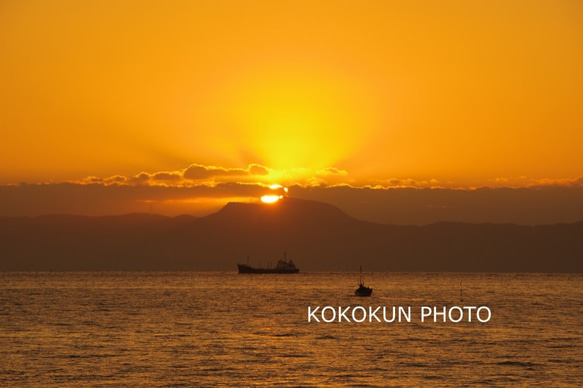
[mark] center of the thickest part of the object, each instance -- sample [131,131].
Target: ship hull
[243,268]
[363,291]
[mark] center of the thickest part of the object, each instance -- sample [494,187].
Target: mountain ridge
[318,236]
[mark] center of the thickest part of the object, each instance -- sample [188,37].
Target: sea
[223,329]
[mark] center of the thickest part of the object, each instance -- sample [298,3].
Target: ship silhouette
[283,266]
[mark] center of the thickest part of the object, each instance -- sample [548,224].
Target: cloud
[116,179]
[331,171]
[207,175]
[198,172]
[140,179]
[201,172]
[92,179]
[256,169]
[193,175]
[167,176]
[576,182]
[199,175]
[393,183]
[523,181]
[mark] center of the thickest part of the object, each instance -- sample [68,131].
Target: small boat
[362,290]
[283,266]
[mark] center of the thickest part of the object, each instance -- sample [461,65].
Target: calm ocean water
[224,329]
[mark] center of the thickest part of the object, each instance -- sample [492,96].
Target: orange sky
[443,93]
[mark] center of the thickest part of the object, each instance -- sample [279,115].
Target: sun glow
[291,115]
[271,198]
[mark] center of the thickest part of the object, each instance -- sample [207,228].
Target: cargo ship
[282,266]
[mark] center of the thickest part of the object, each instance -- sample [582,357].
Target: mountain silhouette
[317,236]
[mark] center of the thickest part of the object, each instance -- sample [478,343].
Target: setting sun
[270,198]
[279,193]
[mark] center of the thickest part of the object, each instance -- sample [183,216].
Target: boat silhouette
[362,290]
[283,266]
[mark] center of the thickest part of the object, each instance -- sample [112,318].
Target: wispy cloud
[165,176]
[255,174]
[200,172]
[524,181]
[577,182]
[396,183]
[208,175]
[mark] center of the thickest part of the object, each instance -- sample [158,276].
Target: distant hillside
[317,236]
